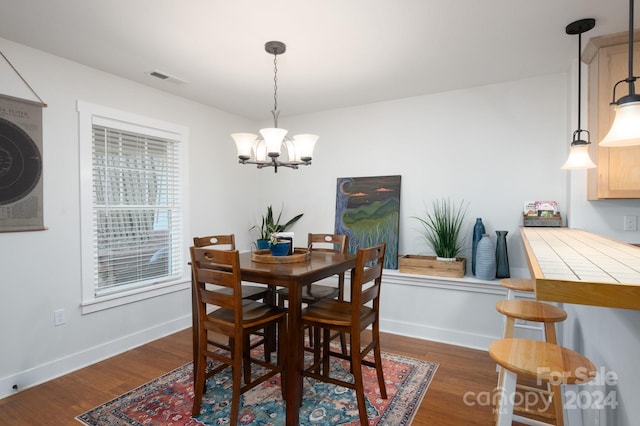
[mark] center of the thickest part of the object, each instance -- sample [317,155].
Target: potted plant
[442,226]
[271,225]
[278,246]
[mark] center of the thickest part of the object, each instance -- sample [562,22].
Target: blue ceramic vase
[478,231]
[486,259]
[502,257]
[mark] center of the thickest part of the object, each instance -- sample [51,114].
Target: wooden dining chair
[236,318]
[228,242]
[353,318]
[315,292]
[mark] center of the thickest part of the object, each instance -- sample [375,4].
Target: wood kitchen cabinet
[618,171]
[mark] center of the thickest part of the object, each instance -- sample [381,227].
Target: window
[133,207]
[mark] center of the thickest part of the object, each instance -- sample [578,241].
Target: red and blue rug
[167,400]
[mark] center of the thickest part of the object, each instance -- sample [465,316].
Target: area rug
[167,400]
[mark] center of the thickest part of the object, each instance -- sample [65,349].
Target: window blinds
[137,217]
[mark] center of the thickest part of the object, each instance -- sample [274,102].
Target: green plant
[442,225]
[270,224]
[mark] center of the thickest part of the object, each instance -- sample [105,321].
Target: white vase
[485,259]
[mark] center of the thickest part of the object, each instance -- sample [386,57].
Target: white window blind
[137,216]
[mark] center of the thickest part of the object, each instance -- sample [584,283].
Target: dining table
[294,276]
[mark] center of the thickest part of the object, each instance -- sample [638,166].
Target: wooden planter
[428,265]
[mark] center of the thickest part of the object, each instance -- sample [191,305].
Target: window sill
[135,295]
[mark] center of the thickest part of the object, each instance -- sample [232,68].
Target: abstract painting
[368,212]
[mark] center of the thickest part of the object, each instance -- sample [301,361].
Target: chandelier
[265,150]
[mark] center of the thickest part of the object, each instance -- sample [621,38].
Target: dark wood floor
[58,401]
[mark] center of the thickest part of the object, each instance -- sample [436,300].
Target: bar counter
[575,266]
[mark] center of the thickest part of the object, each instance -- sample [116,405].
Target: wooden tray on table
[265,256]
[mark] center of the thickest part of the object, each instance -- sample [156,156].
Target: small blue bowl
[280,249]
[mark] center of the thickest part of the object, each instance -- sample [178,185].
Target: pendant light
[625,130]
[579,153]
[267,147]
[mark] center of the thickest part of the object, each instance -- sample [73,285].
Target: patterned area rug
[167,400]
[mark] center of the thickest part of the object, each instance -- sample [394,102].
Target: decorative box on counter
[555,220]
[541,213]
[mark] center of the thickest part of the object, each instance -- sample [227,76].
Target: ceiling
[339,52]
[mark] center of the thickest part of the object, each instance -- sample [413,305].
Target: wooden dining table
[295,276]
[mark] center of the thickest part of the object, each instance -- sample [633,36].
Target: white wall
[41,270]
[493,146]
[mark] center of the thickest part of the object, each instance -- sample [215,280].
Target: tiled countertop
[575,266]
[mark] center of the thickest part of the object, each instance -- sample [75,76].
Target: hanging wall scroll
[20,165]
[20,161]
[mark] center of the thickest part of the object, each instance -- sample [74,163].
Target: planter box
[428,265]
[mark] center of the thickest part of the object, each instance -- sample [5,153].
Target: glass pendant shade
[244,143]
[273,137]
[304,145]
[625,130]
[579,158]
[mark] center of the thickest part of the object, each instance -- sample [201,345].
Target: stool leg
[557,404]
[507,391]
[509,324]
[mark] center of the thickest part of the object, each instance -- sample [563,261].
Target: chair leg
[246,357]
[235,396]
[356,362]
[199,382]
[282,345]
[377,353]
[326,343]
[343,343]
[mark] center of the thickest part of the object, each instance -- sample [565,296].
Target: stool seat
[546,363]
[542,360]
[519,284]
[531,310]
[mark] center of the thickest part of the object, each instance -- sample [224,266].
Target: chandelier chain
[275,82]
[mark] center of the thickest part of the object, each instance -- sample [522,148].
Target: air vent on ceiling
[166,77]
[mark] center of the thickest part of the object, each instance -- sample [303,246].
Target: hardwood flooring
[57,402]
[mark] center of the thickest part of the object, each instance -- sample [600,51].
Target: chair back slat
[366,277]
[328,242]
[220,268]
[216,240]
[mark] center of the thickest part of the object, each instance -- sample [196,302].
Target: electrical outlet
[631,223]
[58,317]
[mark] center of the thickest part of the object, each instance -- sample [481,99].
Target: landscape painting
[368,212]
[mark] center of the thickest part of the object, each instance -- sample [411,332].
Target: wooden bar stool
[534,311]
[545,314]
[522,285]
[542,361]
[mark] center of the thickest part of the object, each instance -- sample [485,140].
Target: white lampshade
[625,130]
[579,158]
[244,143]
[304,145]
[273,137]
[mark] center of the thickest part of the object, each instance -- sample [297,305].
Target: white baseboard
[59,367]
[452,337]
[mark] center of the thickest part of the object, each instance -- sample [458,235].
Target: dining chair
[315,292]
[235,318]
[352,317]
[228,242]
